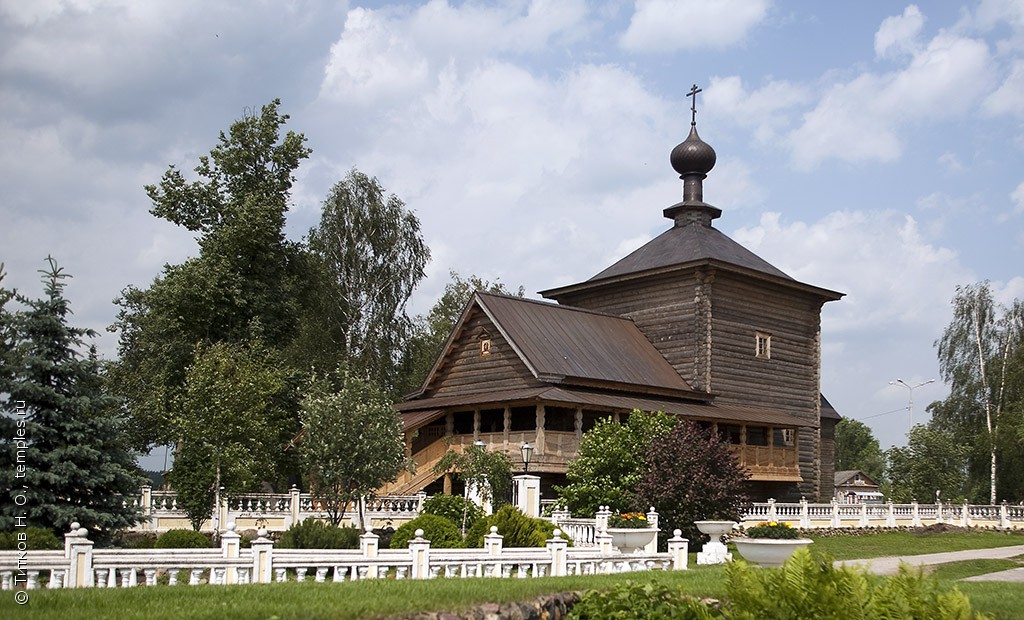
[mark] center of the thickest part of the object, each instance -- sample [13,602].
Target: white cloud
[767,109]
[1009,97]
[899,35]
[861,119]
[1017,196]
[889,271]
[671,25]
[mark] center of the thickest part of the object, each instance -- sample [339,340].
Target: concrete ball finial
[75,525]
[262,532]
[419,533]
[677,533]
[494,529]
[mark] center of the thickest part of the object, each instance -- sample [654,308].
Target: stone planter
[714,552]
[632,540]
[769,552]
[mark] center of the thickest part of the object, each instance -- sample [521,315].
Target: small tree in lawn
[490,472]
[229,425]
[611,462]
[351,442]
[690,475]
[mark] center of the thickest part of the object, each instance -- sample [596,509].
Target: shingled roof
[566,345]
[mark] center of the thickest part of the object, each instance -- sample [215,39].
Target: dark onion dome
[693,155]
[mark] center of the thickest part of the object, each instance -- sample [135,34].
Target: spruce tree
[63,458]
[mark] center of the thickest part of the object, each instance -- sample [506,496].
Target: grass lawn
[366,599]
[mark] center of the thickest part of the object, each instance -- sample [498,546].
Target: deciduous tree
[976,356]
[857,448]
[933,460]
[351,441]
[611,462]
[373,254]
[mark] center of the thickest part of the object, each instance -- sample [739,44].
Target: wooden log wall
[464,370]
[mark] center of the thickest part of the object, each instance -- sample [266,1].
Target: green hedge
[35,539]
[441,533]
[316,534]
[516,529]
[183,539]
[451,507]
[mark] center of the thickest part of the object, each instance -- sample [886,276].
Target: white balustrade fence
[81,565]
[836,515]
[274,511]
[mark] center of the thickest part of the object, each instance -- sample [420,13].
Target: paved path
[890,565]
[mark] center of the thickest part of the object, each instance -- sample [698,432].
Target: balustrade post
[527,494]
[146,506]
[652,521]
[419,550]
[915,514]
[493,542]
[772,513]
[890,516]
[230,543]
[805,513]
[601,518]
[678,548]
[559,515]
[863,515]
[420,498]
[262,558]
[836,521]
[369,544]
[78,551]
[938,511]
[1004,516]
[965,517]
[557,548]
[294,506]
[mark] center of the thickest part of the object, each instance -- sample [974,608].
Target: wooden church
[692,324]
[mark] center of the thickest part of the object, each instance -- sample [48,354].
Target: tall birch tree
[976,352]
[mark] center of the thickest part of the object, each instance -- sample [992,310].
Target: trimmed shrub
[441,533]
[183,539]
[133,540]
[641,601]
[35,539]
[451,507]
[316,534]
[516,529]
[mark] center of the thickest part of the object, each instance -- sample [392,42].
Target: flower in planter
[773,529]
[631,520]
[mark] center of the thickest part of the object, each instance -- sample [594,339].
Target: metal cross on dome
[693,107]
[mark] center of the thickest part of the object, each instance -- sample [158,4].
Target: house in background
[692,323]
[856,487]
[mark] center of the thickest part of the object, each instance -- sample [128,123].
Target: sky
[873,148]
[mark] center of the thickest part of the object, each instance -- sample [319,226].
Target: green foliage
[430,331]
[516,529]
[442,533]
[316,534]
[611,462]
[372,254]
[456,508]
[247,283]
[857,448]
[233,394]
[490,472]
[691,474]
[640,601]
[31,538]
[182,539]
[932,460]
[62,454]
[773,529]
[812,587]
[981,358]
[351,442]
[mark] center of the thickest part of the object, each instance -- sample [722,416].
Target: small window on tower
[763,345]
[485,343]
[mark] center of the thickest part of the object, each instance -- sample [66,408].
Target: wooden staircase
[409,483]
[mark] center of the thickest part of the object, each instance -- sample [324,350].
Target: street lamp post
[527,451]
[910,403]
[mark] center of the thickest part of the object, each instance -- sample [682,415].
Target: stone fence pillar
[557,548]
[805,513]
[262,558]
[419,549]
[146,506]
[230,543]
[678,548]
[526,489]
[1004,516]
[915,514]
[369,544]
[78,551]
[493,542]
[652,521]
[294,506]
[836,521]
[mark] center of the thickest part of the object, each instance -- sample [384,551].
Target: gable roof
[684,246]
[846,478]
[566,345]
